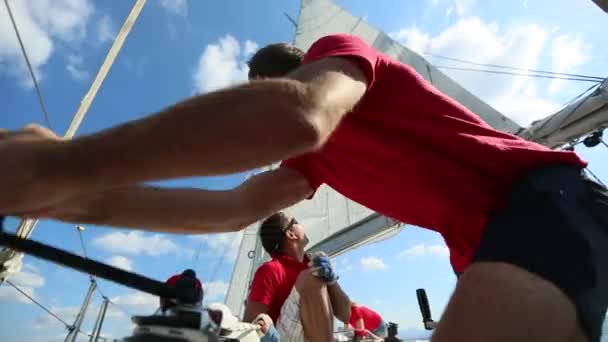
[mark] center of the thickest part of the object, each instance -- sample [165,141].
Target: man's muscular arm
[230,130]
[191,211]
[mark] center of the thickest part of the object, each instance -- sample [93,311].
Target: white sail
[319,18]
[578,118]
[241,273]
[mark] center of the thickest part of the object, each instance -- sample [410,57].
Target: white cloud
[464,6]
[137,302]
[222,64]
[250,48]
[214,290]
[373,264]
[68,314]
[136,243]
[343,266]
[179,7]
[424,250]
[223,245]
[448,11]
[40,23]
[521,98]
[567,54]
[106,31]
[75,68]
[121,262]
[28,280]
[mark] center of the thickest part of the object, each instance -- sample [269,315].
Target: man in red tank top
[364,320]
[520,220]
[301,303]
[186,281]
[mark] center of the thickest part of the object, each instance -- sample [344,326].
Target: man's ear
[290,235]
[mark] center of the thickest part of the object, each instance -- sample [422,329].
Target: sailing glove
[272,335]
[320,265]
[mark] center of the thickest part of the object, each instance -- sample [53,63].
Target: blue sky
[178,48]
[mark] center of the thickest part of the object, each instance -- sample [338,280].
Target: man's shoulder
[340,38]
[271,266]
[339,44]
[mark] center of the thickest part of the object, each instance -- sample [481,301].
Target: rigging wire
[198,253]
[582,79]
[221,260]
[29,66]
[597,179]
[596,78]
[80,229]
[84,250]
[68,326]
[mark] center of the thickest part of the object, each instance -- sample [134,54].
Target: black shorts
[555,224]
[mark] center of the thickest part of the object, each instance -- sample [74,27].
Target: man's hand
[26,181]
[320,265]
[264,321]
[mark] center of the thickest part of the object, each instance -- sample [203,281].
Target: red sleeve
[305,164]
[356,311]
[345,45]
[263,285]
[172,280]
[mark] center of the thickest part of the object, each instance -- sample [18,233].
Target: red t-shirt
[371,319]
[410,152]
[273,282]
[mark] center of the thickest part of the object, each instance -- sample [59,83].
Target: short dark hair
[189,273]
[272,232]
[275,60]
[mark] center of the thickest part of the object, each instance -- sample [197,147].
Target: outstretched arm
[340,302]
[191,211]
[230,130]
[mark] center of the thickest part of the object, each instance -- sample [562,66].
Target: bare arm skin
[225,131]
[340,302]
[253,309]
[189,211]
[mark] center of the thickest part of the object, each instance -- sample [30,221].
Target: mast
[75,328]
[26,227]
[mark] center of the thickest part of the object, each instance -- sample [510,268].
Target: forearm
[227,131]
[190,211]
[340,302]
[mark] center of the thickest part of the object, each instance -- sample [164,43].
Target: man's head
[281,233]
[274,60]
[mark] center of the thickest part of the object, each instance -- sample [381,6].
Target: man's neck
[297,254]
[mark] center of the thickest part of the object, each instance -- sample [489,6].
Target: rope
[40,305]
[597,179]
[595,78]
[84,250]
[220,260]
[67,326]
[582,79]
[29,66]
[198,253]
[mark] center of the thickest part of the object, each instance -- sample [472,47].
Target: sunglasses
[291,223]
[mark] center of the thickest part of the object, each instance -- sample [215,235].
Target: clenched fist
[28,160]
